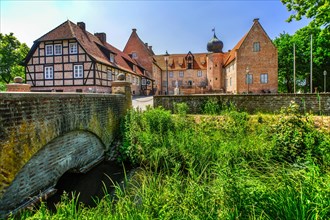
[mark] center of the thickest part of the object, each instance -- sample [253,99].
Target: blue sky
[176,26]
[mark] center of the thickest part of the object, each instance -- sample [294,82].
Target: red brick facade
[254,56]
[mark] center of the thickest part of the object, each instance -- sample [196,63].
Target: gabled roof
[91,44]
[135,40]
[176,59]
[232,54]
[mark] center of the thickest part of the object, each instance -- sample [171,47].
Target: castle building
[142,54]
[250,67]
[70,59]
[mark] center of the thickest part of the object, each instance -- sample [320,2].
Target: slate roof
[91,44]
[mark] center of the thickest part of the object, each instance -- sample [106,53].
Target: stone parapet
[252,103]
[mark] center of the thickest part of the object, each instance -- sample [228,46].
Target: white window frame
[264,78]
[144,81]
[49,72]
[181,74]
[56,47]
[73,48]
[199,73]
[171,74]
[78,71]
[47,51]
[128,79]
[137,81]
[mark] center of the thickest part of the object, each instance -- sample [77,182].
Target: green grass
[232,166]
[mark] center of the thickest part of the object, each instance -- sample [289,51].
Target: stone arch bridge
[44,135]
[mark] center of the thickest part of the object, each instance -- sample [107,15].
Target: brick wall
[266,103]
[44,135]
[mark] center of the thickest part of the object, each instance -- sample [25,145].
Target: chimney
[101,36]
[255,20]
[82,25]
[150,47]
[229,50]
[146,44]
[134,29]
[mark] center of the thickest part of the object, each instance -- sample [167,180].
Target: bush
[296,139]
[181,108]
[211,107]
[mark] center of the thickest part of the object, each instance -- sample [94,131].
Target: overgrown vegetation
[228,166]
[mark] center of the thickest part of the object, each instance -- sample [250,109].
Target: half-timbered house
[70,59]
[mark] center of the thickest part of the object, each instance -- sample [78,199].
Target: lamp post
[325,81]
[166,56]
[247,70]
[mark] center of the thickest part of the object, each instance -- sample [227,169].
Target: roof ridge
[73,34]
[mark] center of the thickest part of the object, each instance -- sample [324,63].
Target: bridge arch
[74,151]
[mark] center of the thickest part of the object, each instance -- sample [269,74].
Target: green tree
[284,44]
[321,58]
[12,53]
[317,10]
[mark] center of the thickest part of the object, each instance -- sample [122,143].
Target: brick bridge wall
[44,135]
[265,103]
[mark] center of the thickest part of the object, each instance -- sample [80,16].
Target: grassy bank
[230,167]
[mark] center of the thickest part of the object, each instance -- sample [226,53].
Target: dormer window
[73,48]
[190,60]
[112,58]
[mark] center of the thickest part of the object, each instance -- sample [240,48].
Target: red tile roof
[89,42]
[175,59]
[232,54]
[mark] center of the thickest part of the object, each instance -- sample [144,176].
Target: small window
[137,81]
[249,79]
[110,75]
[264,78]
[144,81]
[256,47]
[171,74]
[199,73]
[78,71]
[49,72]
[134,68]
[190,62]
[181,74]
[134,55]
[73,48]
[112,58]
[128,78]
[49,50]
[230,81]
[58,49]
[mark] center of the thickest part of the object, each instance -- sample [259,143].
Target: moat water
[90,186]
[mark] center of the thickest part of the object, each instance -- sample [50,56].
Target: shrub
[296,139]
[211,107]
[181,108]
